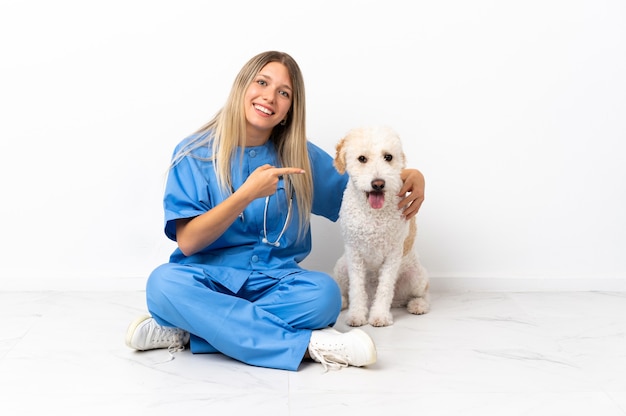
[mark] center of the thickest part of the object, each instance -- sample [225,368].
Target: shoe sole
[132,328]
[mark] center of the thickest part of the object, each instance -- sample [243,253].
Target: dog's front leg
[357,293]
[380,312]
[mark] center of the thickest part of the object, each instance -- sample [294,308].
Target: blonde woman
[238,199]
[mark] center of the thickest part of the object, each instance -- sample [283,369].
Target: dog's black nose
[378,184]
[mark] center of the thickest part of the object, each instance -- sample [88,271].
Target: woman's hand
[264,180]
[412,191]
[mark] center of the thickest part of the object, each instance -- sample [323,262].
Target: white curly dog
[379,261]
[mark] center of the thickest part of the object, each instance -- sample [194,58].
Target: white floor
[504,354]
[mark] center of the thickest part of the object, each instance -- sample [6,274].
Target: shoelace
[171,350]
[328,359]
[172,335]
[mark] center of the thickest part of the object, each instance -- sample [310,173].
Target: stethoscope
[280,235]
[265,240]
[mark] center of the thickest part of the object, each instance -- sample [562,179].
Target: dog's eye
[362,159]
[388,157]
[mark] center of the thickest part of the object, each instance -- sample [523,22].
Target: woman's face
[267,102]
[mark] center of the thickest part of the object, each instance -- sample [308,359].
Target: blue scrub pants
[267,323]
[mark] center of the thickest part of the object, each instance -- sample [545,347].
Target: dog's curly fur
[379,262]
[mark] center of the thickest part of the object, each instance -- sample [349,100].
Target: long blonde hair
[227,130]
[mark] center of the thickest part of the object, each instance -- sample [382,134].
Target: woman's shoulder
[196,144]
[316,152]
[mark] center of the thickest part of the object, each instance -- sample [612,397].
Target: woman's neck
[256,137]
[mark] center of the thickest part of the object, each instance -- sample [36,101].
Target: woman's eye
[261,82]
[362,159]
[388,157]
[284,94]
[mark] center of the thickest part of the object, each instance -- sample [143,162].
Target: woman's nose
[269,96]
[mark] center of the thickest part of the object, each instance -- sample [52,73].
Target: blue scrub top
[192,189]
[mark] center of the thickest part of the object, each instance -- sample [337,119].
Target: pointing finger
[288,171]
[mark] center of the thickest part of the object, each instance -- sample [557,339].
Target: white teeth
[263,109]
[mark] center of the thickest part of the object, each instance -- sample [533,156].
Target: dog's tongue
[376,199]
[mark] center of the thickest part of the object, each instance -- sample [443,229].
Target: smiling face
[267,102]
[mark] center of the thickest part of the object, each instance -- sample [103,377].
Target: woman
[238,200]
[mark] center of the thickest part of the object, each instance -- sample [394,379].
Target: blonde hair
[227,130]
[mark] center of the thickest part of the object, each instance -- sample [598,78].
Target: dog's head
[373,158]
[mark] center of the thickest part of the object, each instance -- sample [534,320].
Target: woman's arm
[193,234]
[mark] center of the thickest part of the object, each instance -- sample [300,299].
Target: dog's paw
[384,319]
[356,320]
[418,306]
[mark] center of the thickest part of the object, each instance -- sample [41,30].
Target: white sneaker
[145,334]
[335,350]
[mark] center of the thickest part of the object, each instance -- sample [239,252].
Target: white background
[515,111]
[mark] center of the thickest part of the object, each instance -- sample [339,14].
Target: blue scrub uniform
[240,296]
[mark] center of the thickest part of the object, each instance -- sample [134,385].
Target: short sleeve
[187,192]
[328,184]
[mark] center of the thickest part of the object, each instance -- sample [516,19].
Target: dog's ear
[340,157]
